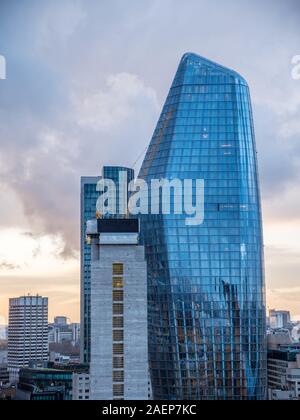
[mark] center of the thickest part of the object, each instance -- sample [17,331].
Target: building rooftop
[204,64]
[114,231]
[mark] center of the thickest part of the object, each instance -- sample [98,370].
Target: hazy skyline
[86,81]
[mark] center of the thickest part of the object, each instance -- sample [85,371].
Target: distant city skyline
[82,90]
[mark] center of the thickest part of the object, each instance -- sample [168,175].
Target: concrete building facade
[119,336]
[81,386]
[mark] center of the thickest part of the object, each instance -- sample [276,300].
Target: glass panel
[118,295]
[118,309]
[117,269]
[118,335]
[118,283]
[118,362]
[118,322]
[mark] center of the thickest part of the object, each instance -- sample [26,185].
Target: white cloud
[23,254]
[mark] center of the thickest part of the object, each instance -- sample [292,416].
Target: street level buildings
[283,366]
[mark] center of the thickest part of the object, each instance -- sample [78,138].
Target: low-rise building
[279,319]
[51,382]
[7,392]
[283,366]
[4,375]
[63,332]
[277,394]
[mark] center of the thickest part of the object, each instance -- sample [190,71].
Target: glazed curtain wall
[206,283]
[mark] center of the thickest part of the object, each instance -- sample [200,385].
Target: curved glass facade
[206,283]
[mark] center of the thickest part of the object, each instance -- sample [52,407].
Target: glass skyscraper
[89,197]
[206,283]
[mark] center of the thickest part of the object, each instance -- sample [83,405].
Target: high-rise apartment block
[27,332]
[119,338]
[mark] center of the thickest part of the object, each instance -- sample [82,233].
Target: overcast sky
[86,81]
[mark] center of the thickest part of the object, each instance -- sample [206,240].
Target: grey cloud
[61,118]
[279,157]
